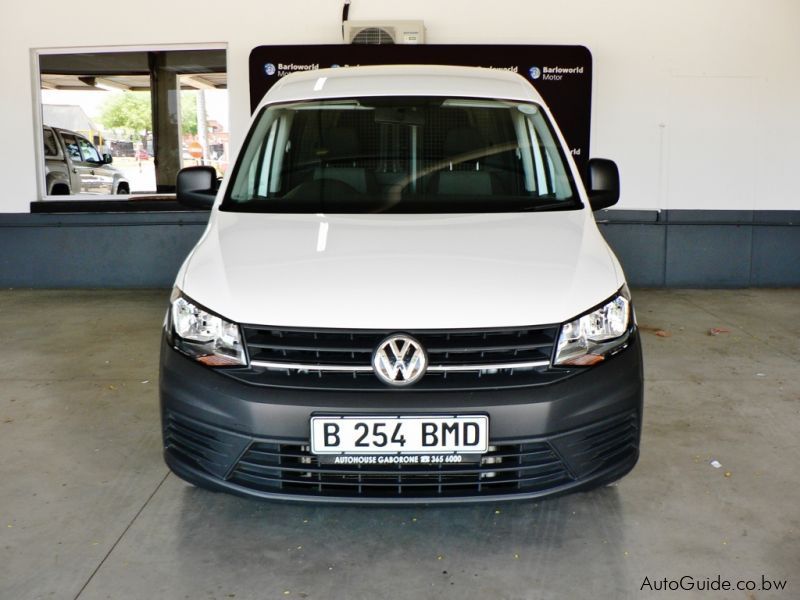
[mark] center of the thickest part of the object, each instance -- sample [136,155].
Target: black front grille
[341,348]
[331,347]
[506,469]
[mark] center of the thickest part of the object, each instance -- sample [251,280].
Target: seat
[464,147]
[464,183]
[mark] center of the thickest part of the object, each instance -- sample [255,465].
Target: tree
[132,112]
[129,110]
[189,112]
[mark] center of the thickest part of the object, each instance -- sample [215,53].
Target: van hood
[401,272]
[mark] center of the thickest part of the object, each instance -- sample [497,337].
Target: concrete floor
[88,509]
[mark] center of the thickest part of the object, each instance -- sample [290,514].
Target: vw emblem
[399,360]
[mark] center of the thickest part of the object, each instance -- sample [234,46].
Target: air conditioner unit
[384,32]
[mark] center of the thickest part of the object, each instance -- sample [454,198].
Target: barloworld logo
[535,72]
[269,69]
[556,73]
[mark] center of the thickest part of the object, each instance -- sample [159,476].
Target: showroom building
[695,106]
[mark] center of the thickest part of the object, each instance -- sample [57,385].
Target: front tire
[60,189]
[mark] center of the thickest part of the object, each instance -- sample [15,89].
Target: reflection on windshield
[402,155]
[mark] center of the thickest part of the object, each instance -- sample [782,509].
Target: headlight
[204,336]
[589,339]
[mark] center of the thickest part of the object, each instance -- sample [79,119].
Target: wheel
[60,189]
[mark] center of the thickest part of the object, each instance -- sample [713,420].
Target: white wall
[697,100]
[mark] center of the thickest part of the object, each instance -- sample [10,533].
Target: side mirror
[196,187]
[107,159]
[603,188]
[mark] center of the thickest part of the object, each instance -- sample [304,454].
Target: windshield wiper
[558,205]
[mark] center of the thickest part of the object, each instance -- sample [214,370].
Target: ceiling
[196,69]
[128,82]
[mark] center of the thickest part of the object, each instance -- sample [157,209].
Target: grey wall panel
[776,256]
[640,249]
[708,256]
[709,217]
[779,217]
[656,248]
[610,215]
[116,255]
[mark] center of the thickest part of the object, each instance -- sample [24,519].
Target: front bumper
[252,440]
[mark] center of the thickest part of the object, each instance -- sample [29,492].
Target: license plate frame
[453,437]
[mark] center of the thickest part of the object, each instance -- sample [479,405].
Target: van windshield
[401,155]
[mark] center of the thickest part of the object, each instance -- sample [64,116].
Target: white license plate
[400,435]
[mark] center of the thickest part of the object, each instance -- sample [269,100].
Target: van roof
[402,80]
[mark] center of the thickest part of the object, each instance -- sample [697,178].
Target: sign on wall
[561,74]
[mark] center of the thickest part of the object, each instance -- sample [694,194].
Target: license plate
[400,435]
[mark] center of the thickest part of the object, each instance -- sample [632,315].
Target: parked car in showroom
[74,166]
[401,296]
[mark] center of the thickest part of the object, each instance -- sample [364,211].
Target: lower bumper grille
[293,469]
[203,446]
[527,466]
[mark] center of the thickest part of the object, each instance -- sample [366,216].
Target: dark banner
[561,74]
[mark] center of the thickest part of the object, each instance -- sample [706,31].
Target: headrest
[462,140]
[338,143]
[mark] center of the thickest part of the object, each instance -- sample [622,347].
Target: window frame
[83,201]
[59,155]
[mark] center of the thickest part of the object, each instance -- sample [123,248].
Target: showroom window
[120,123]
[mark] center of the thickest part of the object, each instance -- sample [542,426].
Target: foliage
[131,111]
[189,112]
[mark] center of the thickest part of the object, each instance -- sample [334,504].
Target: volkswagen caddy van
[401,297]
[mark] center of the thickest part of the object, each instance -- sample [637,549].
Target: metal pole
[202,124]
